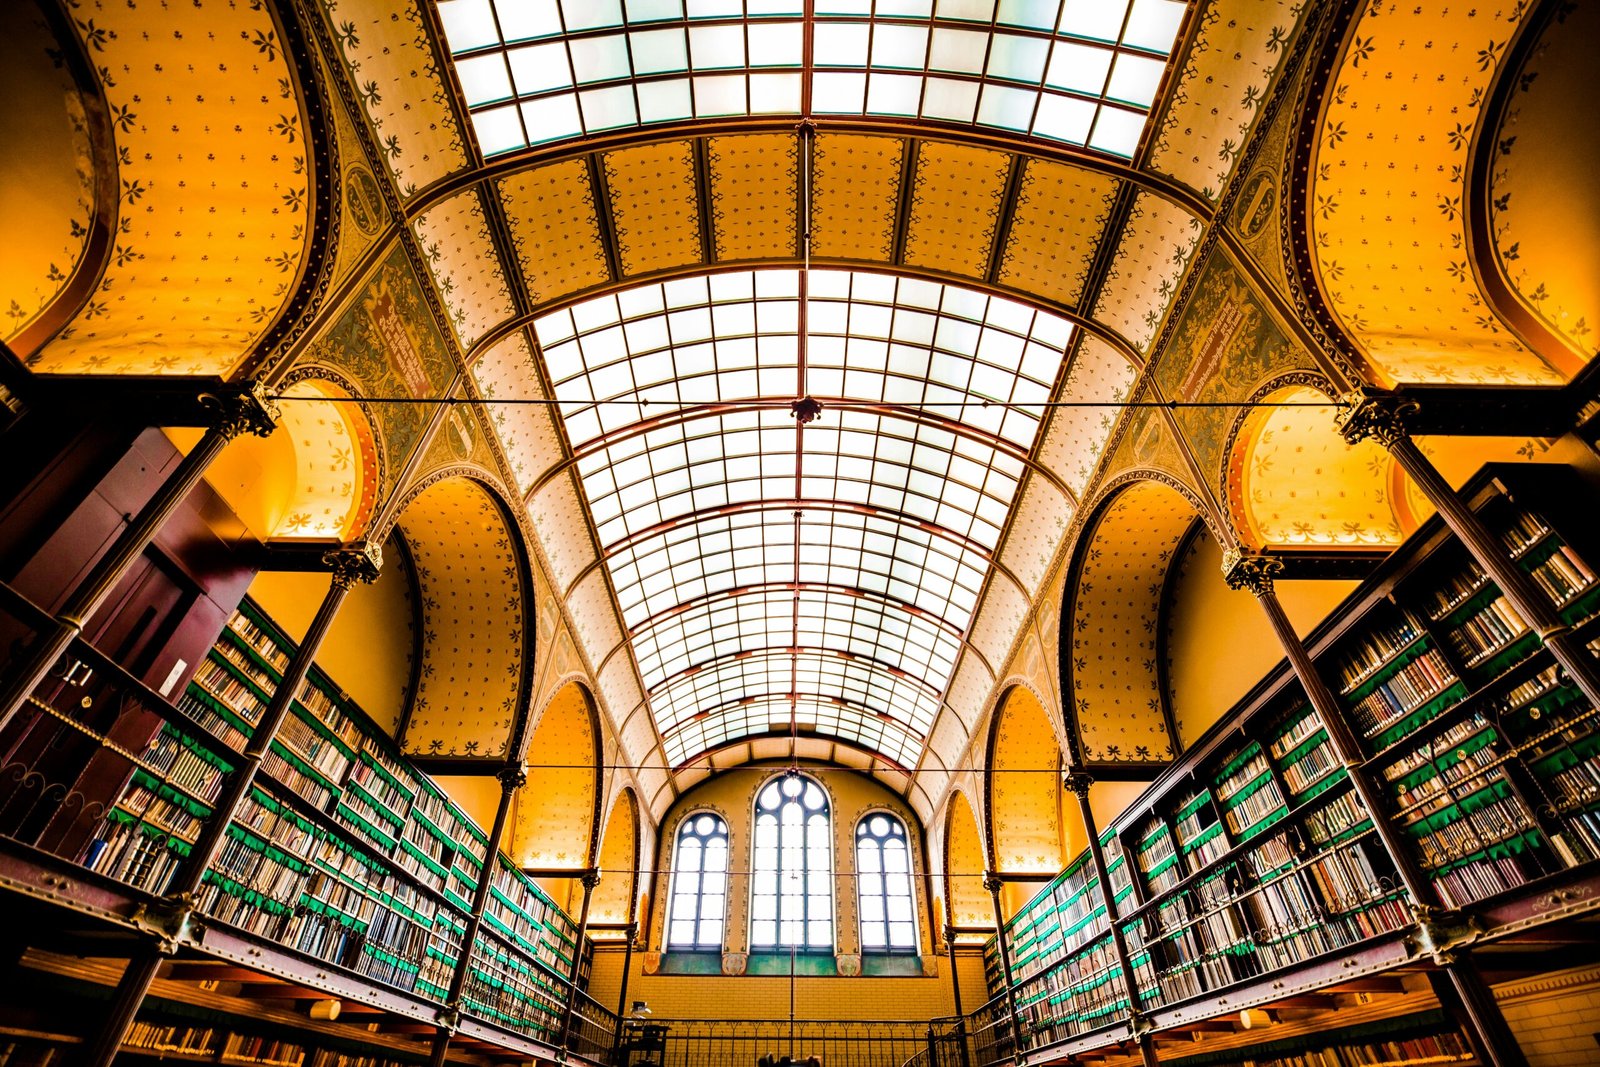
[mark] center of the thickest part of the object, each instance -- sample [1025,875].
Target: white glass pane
[1017,58]
[661,51]
[536,68]
[521,20]
[1099,19]
[551,117]
[1134,79]
[1117,131]
[1064,118]
[1081,68]
[468,24]
[957,51]
[1153,24]
[484,79]
[608,108]
[498,130]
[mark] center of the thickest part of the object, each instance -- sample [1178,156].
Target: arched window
[699,884]
[883,884]
[791,885]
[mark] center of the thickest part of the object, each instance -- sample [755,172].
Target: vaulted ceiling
[634,234]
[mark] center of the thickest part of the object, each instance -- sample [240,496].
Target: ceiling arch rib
[778,576]
[1069,73]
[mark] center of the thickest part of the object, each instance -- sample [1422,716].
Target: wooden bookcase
[1253,854]
[342,851]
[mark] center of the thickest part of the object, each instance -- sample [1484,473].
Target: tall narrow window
[699,884]
[791,886]
[883,880]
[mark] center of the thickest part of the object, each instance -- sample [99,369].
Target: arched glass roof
[1082,72]
[775,575]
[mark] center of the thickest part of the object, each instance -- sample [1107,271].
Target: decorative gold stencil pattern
[1056,226]
[551,213]
[402,90]
[654,206]
[554,815]
[507,372]
[1025,787]
[855,186]
[1075,436]
[754,179]
[460,254]
[216,211]
[1220,88]
[1157,243]
[1116,690]
[955,207]
[1387,195]
[473,620]
[49,203]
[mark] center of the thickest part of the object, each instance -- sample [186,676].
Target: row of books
[1455,591]
[317,794]
[322,755]
[196,708]
[1315,765]
[1443,1048]
[169,756]
[1524,530]
[1372,650]
[159,1037]
[1472,831]
[126,849]
[159,812]
[269,1051]
[1403,692]
[257,637]
[1562,575]
[1264,800]
[1485,632]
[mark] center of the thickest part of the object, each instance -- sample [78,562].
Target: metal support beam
[992,882]
[1138,1026]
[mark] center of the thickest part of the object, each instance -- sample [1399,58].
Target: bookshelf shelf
[340,852]
[1254,853]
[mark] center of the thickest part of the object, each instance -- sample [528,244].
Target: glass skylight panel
[1033,67]
[834,567]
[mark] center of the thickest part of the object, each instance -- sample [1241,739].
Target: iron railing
[720,1042]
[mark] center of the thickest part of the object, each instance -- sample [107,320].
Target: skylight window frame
[988,91]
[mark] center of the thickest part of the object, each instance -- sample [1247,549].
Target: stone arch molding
[469,701]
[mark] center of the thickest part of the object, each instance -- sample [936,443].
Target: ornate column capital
[356,562]
[992,881]
[949,934]
[246,408]
[1078,782]
[1253,572]
[1366,413]
[589,879]
[513,776]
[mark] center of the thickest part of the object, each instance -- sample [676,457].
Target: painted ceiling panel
[215,218]
[955,207]
[558,517]
[969,689]
[507,371]
[854,192]
[1058,222]
[1004,609]
[1038,523]
[390,58]
[595,617]
[467,575]
[1219,89]
[551,212]
[1156,244]
[1098,378]
[1388,197]
[1116,687]
[461,256]
[48,230]
[655,206]
[754,195]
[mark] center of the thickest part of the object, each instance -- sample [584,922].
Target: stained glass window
[883,885]
[791,879]
[699,884]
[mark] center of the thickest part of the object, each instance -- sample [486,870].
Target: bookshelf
[1254,854]
[341,851]
[224,1043]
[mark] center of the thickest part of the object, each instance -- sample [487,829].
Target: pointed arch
[1026,823]
[965,864]
[555,823]
[618,863]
